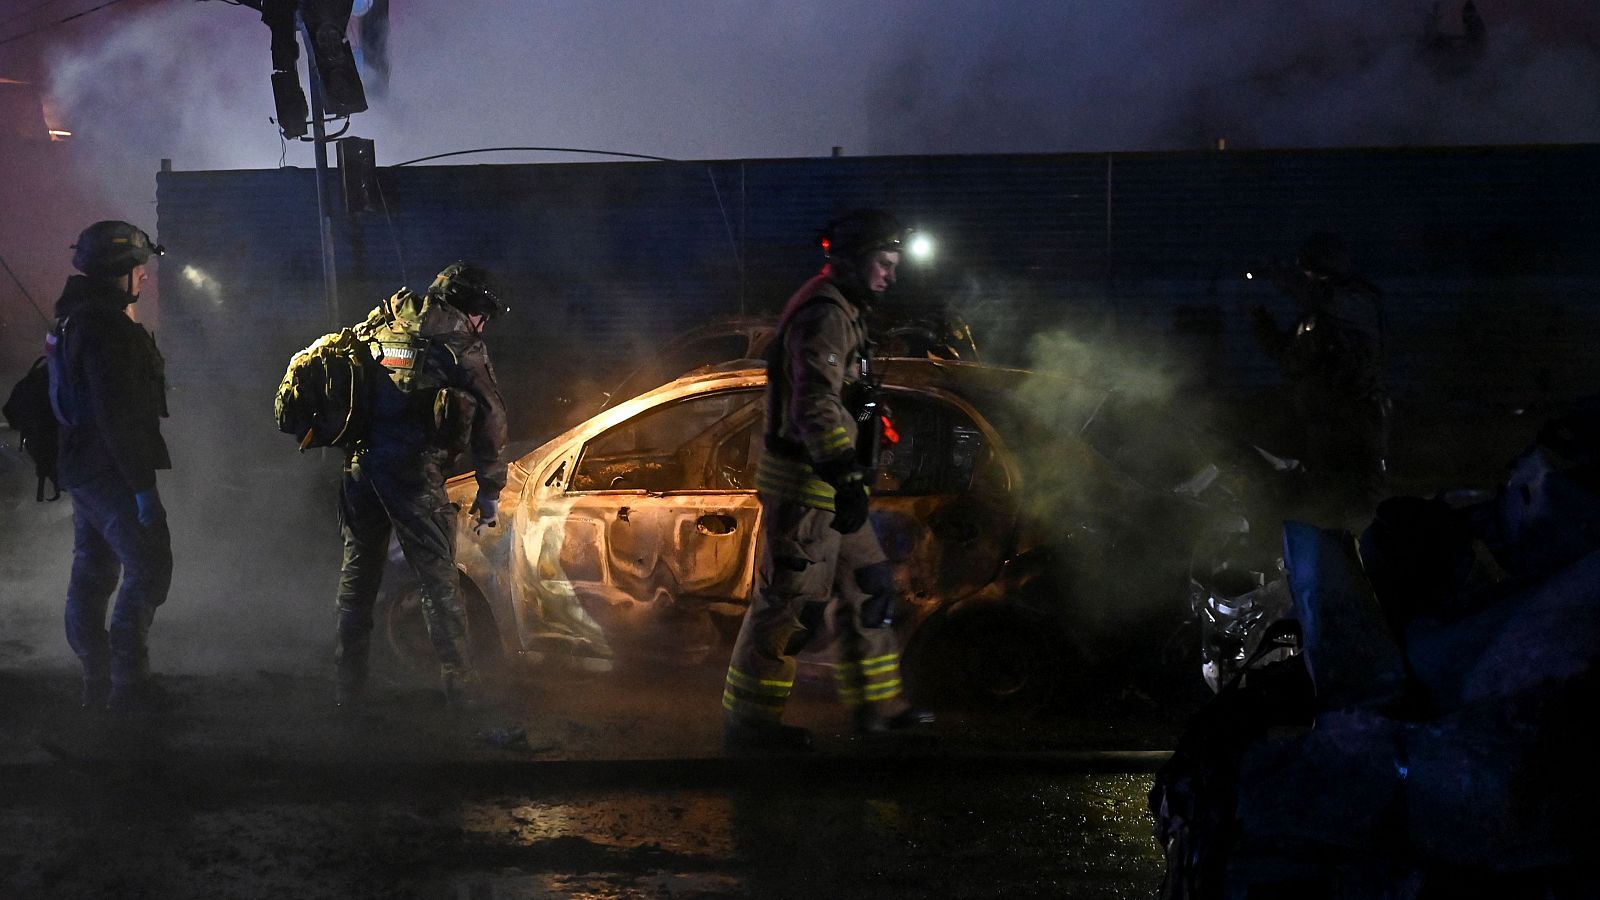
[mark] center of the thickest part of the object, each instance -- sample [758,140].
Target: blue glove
[486,511]
[151,512]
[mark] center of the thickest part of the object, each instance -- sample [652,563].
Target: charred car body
[1023,547]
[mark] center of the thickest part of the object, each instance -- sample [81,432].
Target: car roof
[955,376]
[976,383]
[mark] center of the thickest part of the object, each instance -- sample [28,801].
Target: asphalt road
[571,786]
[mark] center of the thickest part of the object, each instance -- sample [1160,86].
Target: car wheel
[404,631]
[988,658]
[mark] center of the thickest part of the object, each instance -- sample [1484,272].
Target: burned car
[1023,550]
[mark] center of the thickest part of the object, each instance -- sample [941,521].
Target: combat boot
[463,691]
[348,693]
[96,691]
[740,734]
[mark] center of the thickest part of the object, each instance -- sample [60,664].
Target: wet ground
[615,786]
[252,787]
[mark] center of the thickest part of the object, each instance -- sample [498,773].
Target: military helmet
[468,288]
[1324,253]
[860,232]
[112,248]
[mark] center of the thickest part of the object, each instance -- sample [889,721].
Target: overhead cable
[18,37]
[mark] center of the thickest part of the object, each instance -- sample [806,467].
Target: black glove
[849,492]
[849,506]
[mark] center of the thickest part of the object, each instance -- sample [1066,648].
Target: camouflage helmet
[468,288]
[860,232]
[112,248]
[1324,253]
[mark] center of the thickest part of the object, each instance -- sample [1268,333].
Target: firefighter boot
[870,721]
[741,734]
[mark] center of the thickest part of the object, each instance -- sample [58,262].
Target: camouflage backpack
[325,397]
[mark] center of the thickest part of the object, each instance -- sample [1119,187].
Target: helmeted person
[108,389]
[1332,359]
[440,397]
[820,556]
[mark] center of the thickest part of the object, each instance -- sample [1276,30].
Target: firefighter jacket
[109,388]
[1336,345]
[817,354]
[440,380]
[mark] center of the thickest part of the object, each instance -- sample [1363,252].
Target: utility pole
[319,138]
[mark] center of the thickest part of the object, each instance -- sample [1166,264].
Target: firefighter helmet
[468,288]
[860,232]
[112,248]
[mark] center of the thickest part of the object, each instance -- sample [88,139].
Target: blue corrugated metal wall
[1490,258]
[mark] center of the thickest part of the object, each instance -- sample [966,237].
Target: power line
[31,301]
[37,6]
[18,37]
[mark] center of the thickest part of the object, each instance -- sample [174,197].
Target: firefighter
[440,396]
[108,389]
[1332,360]
[813,482]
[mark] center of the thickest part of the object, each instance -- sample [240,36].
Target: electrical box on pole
[357,173]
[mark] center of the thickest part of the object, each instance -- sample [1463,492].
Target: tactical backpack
[334,388]
[28,411]
[418,370]
[325,397]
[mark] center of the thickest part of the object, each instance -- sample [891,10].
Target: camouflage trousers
[406,498]
[811,574]
[108,543]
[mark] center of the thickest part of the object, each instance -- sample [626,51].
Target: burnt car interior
[698,444]
[937,451]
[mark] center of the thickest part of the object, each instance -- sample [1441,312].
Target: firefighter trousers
[807,566]
[378,497]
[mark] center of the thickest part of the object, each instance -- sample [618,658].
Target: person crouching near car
[108,390]
[393,480]
[813,483]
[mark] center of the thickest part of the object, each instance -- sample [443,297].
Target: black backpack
[28,411]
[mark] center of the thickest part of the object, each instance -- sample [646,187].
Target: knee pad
[877,582]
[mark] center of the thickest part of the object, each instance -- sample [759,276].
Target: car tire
[987,658]
[402,632]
